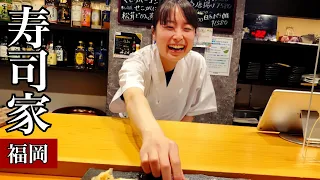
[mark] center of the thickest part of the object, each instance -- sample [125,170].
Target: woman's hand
[160,156]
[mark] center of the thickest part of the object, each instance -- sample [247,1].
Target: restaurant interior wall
[303,20]
[301,27]
[225,87]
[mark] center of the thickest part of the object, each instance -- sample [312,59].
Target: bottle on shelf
[80,56]
[16,5]
[1,40]
[52,56]
[28,48]
[37,4]
[105,11]
[6,6]
[15,47]
[23,47]
[43,46]
[65,53]
[90,61]
[64,12]
[4,48]
[101,56]
[59,51]
[96,20]
[51,6]
[76,13]
[86,14]
[26,2]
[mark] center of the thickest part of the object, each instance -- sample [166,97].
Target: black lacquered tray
[92,172]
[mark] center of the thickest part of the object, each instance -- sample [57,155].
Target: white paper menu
[203,37]
[218,56]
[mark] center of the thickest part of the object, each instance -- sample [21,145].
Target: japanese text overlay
[26,110]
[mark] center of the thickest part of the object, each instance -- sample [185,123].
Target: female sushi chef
[165,81]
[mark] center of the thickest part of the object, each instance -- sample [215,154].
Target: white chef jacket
[190,91]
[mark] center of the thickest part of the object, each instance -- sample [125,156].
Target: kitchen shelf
[269,52]
[285,8]
[79,29]
[279,43]
[283,86]
[66,27]
[70,68]
[66,68]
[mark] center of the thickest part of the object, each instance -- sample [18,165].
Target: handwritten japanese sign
[217,14]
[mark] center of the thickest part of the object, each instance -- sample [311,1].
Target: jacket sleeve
[131,75]
[205,100]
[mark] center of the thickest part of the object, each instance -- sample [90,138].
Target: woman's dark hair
[164,9]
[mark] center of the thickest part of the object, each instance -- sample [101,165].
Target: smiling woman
[174,30]
[167,81]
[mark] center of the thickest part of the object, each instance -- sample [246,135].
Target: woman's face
[174,39]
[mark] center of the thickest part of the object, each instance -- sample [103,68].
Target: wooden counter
[19,176]
[219,150]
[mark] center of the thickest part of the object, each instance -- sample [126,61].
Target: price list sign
[217,14]
[137,12]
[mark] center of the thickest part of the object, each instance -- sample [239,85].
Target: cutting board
[120,174]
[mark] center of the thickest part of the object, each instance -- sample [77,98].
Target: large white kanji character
[38,152]
[42,75]
[18,154]
[26,18]
[27,112]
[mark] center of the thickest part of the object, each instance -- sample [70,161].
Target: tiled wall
[225,87]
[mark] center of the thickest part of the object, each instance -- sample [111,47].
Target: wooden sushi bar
[86,142]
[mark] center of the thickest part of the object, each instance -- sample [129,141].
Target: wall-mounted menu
[126,43]
[218,56]
[217,14]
